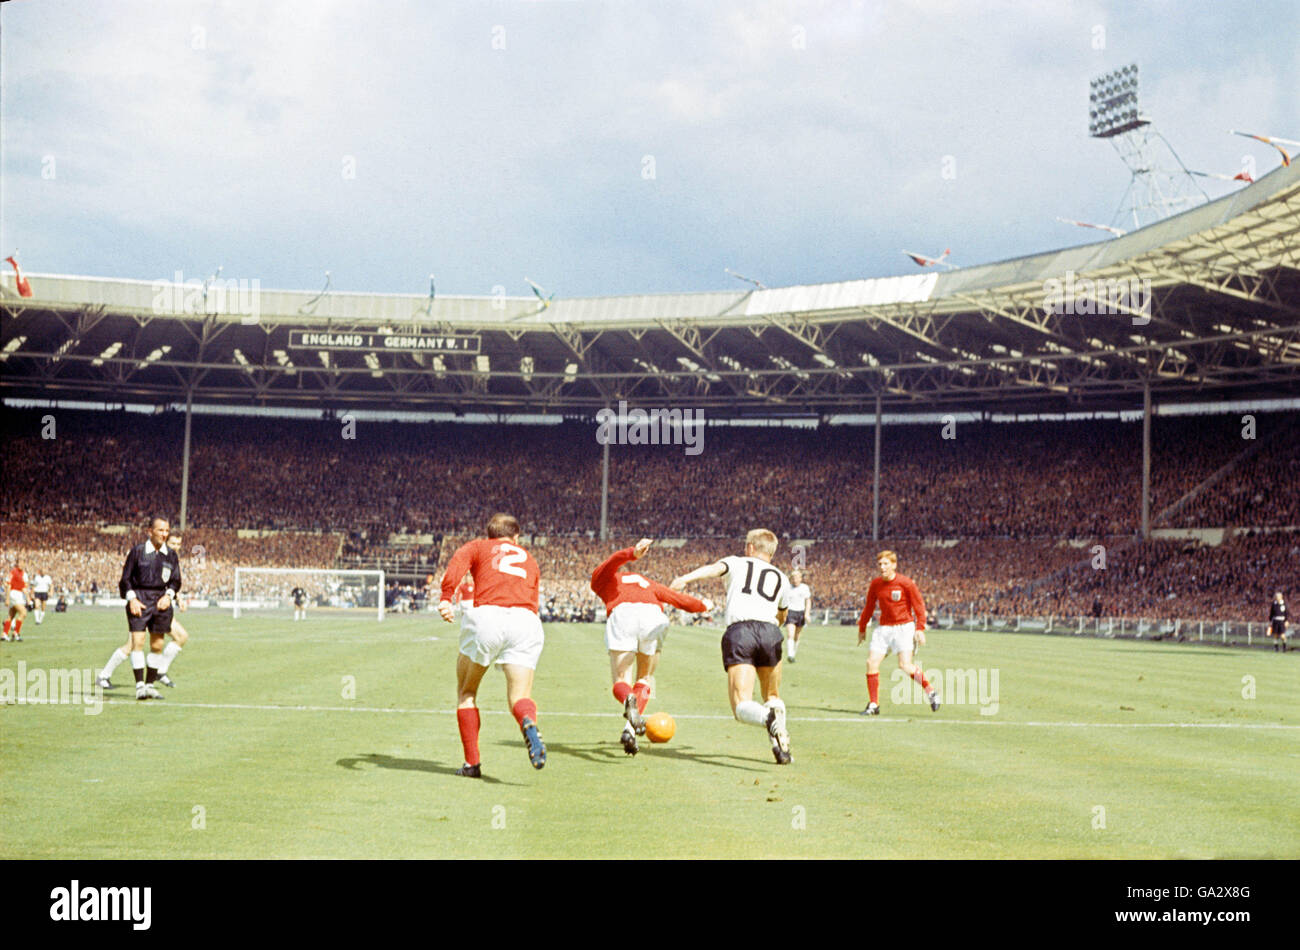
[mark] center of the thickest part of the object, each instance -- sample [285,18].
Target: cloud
[806,141]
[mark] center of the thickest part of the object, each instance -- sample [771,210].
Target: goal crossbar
[314,571]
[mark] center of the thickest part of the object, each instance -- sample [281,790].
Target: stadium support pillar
[185,460]
[604,493]
[1146,461]
[875,482]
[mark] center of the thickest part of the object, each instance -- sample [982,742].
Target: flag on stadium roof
[1286,158]
[24,286]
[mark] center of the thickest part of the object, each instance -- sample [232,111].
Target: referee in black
[1277,621]
[151,578]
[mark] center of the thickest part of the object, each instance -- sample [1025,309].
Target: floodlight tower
[1153,192]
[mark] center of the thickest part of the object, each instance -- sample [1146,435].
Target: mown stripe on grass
[862,720]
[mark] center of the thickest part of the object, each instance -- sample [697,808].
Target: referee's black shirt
[149,571]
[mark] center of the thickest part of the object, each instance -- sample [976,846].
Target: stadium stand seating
[977,530]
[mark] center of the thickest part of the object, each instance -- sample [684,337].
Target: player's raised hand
[446,611]
[641,547]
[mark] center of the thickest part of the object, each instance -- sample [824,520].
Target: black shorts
[795,617]
[755,642]
[41,597]
[1278,629]
[151,618]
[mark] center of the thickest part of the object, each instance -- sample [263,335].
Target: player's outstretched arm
[642,547]
[666,595]
[716,569]
[607,572]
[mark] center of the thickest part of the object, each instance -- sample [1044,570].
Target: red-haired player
[900,602]
[502,628]
[635,631]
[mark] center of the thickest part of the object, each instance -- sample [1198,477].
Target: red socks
[468,721]
[642,693]
[621,691]
[525,707]
[919,676]
[873,687]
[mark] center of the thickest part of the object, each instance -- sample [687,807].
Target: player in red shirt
[16,597]
[635,630]
[501,628]
[900,602]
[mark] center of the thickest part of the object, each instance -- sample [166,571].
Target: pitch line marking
[267,707]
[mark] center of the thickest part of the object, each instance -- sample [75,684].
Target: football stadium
[1085,457]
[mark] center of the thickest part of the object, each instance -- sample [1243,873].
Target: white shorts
[490,634]
[639,627]
[900,638]
[18,598]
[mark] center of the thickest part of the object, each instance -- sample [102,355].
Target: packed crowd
[1174,579]
[1046,480]
[87,561]
[1157,579]
[979,519]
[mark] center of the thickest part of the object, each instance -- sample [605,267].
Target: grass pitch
[336,738]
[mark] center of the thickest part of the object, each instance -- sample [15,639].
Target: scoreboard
[384,342]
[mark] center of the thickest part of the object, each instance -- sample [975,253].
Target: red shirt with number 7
[505,575]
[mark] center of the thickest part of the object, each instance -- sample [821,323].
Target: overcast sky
[598,147]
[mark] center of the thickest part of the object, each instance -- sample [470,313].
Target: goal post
[271,586]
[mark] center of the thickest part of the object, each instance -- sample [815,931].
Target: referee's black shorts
[755,642]
[151,618]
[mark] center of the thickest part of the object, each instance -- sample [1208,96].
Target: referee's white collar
[148,546]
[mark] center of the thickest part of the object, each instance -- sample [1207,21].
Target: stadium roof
[1203,305]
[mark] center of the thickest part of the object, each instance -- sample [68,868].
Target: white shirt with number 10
[755,590]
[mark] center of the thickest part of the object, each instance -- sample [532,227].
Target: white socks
[113,663]
[751,712]
[168,654]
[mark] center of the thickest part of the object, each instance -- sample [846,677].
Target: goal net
[270,589]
